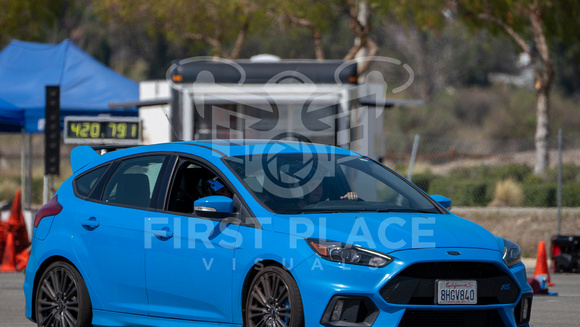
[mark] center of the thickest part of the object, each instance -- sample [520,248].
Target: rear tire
[62,298]
[273,300]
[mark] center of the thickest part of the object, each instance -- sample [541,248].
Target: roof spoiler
[84,154]
[81,156]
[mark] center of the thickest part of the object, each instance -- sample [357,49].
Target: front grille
[471,318]
[416,283]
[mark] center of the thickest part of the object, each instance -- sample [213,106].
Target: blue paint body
[156,267]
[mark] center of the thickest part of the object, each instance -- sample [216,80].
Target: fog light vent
[523,310]
[337,312]
[350,311]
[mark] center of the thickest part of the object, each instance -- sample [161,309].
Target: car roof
[83,155]
[251,146]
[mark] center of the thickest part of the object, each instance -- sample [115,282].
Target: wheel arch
[252,274]
[40,271]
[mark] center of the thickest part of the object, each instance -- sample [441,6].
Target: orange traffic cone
[22,259]
[542,263]
[9,258]
[17,225]
[2,237]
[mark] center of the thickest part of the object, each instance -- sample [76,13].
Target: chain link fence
[487,172]
[12,166]
[471,172]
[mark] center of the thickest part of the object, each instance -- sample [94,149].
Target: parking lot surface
[548,311]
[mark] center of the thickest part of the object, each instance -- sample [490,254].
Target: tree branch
[214,43]
[517,38]
[361,27]
[353,51]
[510,31]
[364,65]
[541,46]
[241,39]
[298,21]
[302,22]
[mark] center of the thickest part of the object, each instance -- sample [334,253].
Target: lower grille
[472,318]
[416,283]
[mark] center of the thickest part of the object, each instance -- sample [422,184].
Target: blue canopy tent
[86,86]
[11,117]
[86,89]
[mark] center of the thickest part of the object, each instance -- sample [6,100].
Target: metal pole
[45,189]
[187,114]
[413,155]
[23,168]
[29,197]
[51,186]
[559,180]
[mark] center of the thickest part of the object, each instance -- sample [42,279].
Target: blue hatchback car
[261,233]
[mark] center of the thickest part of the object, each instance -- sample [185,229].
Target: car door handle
[163,234]
[90,224]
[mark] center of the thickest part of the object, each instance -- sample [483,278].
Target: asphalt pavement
[549,311]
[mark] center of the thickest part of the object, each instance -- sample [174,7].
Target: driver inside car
[317,194]
[217,187]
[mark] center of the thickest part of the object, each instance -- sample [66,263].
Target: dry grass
[508,192]
[525,226]
[8,187]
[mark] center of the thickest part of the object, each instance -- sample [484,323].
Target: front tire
[62,298]
[273,300]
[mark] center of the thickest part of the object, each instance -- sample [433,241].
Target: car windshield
[293,183]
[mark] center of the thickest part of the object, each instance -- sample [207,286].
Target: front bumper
[362,289]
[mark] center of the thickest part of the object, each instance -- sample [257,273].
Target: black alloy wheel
[62,299]
[273,300]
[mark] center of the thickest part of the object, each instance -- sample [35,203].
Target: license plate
[456,292]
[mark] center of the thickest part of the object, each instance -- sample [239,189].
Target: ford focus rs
[261,233]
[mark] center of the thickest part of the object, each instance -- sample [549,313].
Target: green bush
[423,180]
[517,172]
[474,172]
[463,192]
[539,194]
[571,195]
[533,179]
[570,173]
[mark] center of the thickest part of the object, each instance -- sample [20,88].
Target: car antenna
[147,103]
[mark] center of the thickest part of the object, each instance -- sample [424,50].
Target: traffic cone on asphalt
[2,237]
[9,257]
[16,209]
[542,263]
[17,225]
[22,259]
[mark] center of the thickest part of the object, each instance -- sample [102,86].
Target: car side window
[133,181]
[192,182]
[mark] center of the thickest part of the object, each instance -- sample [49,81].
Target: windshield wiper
[406,210]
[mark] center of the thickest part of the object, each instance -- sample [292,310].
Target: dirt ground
[525,226]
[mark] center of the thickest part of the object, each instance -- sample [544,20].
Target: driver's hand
[350,196]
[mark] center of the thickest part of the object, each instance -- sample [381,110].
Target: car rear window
[85,183]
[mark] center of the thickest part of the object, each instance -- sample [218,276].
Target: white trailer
[306,100]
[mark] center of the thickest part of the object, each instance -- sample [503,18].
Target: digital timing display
[100,130]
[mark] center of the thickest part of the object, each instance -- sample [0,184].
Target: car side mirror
[442,200]
[215,206]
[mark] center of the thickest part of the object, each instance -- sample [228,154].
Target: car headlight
[512,254]
[348,253]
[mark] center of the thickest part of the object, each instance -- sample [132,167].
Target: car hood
[387,232]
